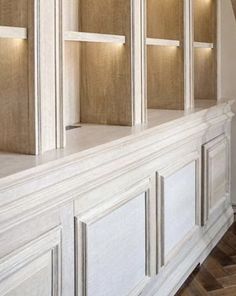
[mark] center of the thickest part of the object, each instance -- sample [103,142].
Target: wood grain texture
[165,65]
[14,103]
[205,60]
[14,84]
[103,94]
[217,275]
[106,84]
[165,79]
[106,81]
[205,20]
[165,19]
[205,74]
[27,79]
[105,16]
[234,6]
[14,13]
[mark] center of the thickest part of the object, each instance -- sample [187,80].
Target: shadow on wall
[228,74]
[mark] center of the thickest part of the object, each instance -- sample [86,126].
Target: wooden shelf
[162,42]
[94,37]
[203,45]
[13,32]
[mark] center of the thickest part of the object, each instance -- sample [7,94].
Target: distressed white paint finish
[179,206]
[116,250]
[34,269]
[228,72]
[33,280]
[216,174]
[101,176]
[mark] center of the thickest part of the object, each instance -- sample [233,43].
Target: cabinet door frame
[161,175]
[208,149]
[93,215]
[30,259]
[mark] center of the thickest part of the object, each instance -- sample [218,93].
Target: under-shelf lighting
[13,32]
[203,45]
[94,37]
[162,42]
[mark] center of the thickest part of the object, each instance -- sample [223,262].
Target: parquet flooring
[217,275]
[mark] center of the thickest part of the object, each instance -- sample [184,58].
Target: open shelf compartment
[205,50]
[165,54]
[97,76]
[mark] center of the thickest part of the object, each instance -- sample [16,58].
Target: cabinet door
[33,270]
[216,176]
[113,241]
[178,191]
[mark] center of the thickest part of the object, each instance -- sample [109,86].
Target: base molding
[207,240]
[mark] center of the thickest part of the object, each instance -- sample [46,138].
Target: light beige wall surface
[228,60]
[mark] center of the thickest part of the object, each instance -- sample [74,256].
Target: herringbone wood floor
[217,275]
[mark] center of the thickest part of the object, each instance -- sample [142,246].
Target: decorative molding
[193,157]
[32,191]
[198,249]
[84,220]
[30,259]
[210,150]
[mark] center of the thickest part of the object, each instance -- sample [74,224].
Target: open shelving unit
[28,75]
[97,62]
[68,63]
[204,50]
[15,112]
[165,54]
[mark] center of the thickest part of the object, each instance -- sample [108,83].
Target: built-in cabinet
[123,211]
[36,256]
[133,218]
[70,63]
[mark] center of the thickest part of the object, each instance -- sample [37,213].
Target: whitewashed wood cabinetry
[34,269]
[179,187]
[120,217]
[36,256]
[113,243]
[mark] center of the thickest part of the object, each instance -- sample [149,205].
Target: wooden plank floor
[217,275]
